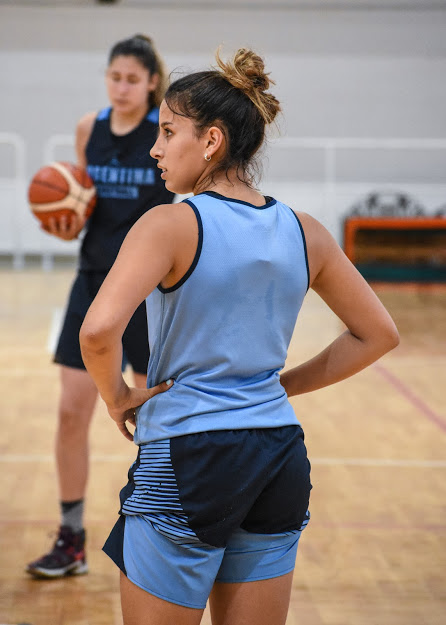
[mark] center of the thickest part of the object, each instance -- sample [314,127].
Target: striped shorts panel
[155,493]
[226,506]
[201,487]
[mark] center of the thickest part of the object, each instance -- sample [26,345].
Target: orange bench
[355,225]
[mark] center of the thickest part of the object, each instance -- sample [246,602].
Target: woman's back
[222,332]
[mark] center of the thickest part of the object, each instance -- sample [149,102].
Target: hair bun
[247,72]
[144,38]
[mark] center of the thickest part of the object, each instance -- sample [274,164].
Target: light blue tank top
[223,331]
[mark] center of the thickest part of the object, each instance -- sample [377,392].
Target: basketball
[61,189]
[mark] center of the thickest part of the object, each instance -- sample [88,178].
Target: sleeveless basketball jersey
[128,183]
[222,332]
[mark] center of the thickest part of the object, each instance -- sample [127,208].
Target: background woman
[114,146]
[218,496]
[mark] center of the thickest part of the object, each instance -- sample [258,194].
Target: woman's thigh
[141,608]
[262,602]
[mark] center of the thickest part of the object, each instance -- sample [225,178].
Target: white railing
[330,190]
[331,146]
[19,161]
[54,143]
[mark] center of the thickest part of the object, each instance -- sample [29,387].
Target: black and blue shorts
[135,340]
[220,506]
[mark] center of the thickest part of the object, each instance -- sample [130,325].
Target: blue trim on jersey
[305,247]
[197,253]
[104,114]
[219,196]
[154,115]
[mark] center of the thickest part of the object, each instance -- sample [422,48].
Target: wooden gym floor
[375,550]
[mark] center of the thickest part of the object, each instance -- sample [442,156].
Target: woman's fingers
[129,415]
[155,390]
[65,227]
[160,388]
[122,427]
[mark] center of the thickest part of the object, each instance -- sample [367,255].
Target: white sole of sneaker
[77,568]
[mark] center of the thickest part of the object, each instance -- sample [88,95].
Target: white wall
[338,72]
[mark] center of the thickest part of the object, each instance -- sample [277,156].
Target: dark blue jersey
[128,183]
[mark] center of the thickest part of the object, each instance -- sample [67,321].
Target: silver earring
[207,158]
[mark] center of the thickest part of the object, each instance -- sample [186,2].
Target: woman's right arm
[64,228]
[161,245]
[83,131]
[370,331]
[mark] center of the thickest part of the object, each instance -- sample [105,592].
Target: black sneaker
[67,556]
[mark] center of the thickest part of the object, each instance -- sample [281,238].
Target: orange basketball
[61,189]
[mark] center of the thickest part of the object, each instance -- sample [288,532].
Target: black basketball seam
[77,197]
[42,183]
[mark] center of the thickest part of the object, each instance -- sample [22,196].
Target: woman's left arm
[146,257]
[370,331]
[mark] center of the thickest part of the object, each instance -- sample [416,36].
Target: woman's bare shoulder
[83,132]
[176,215]
[316,233]
[321,245]
[86,122]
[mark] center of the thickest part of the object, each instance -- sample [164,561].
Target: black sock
[73,514]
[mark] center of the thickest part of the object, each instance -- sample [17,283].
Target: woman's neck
[123,124]
[234,188]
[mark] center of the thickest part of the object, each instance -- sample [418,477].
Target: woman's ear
[214,140]
[153,82]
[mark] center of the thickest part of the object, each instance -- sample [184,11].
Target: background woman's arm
[68,228]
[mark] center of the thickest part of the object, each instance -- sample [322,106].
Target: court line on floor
[369,525]
[409,287]
[363,462]
[379,462]
[50,370]
[411,397]
[314,524]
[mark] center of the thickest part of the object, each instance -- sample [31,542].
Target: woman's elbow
[93,339]
[382,338]
[389,337]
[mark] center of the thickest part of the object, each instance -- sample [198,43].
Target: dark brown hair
[143,49]
[233,97]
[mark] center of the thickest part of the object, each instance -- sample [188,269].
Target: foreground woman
[218,496]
